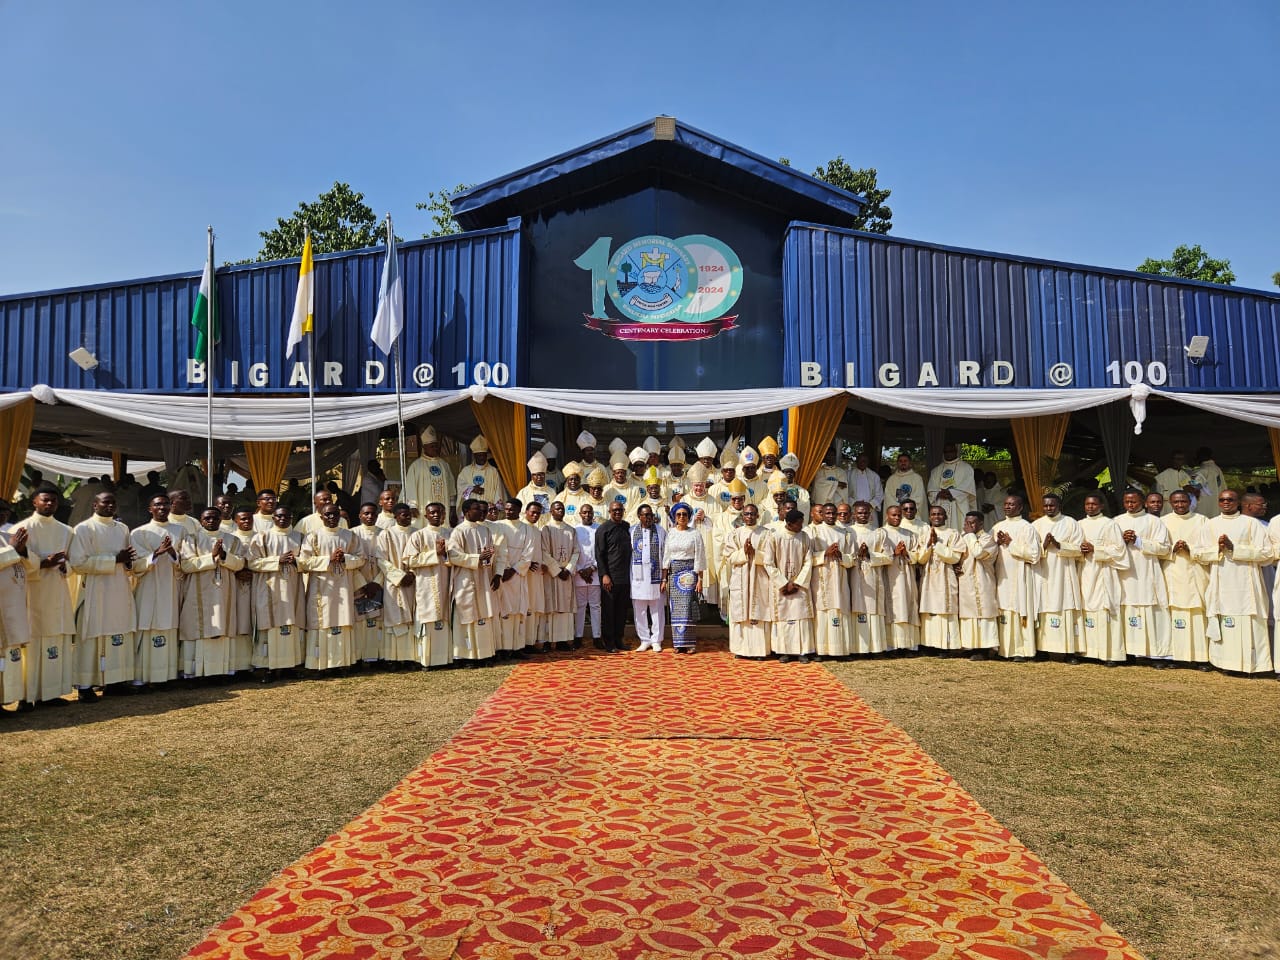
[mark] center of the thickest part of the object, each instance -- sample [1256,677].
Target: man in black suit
[613,562]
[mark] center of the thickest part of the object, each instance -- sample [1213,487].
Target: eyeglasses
[1226,499]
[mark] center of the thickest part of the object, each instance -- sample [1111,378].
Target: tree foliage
[1275,278]
[876,216]
[339,219]
[1192,263]
[437,204]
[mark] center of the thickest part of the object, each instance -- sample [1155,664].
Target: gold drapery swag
[504,425]
[1039,443]
[267,462]
[810,431]
[15,437]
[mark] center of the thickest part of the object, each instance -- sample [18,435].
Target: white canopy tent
[240,418]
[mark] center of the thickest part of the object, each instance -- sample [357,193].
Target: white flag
[389,322]
[304,307]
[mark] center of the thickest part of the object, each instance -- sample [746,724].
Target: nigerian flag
[202,317]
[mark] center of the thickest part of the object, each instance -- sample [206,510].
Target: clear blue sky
[1099,133]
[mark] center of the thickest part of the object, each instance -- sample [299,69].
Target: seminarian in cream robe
[1186,579]
[367,630]
[521,548]
[49,609]
[1237,597]
[870,634]
[940,550]
[331,589]
[475,628]
[788,559]
[392,556]
[559,554]
[15,629]
[1144,600]
[834,555]
[242,642]
[749,593]
[1016,587]
[279,598]
[427,556]
[979,607]
[157,592]
[1058,600]
[209,601]
[901,585]
[106,620]
[1104,556]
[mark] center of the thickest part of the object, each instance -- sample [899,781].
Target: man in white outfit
[586,585]
[865,484]
[647,600]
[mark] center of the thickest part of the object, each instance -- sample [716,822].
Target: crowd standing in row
[454,571]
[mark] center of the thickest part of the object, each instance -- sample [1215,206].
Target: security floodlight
[1198,348]
[83,358]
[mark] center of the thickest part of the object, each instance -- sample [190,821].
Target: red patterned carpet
[649,805]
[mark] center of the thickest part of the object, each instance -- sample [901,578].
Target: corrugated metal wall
[856,302]
[462,306]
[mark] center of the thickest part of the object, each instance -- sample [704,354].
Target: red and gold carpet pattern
[654,805]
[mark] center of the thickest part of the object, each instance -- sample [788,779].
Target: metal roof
[854,302]
[665,144]
[462,302]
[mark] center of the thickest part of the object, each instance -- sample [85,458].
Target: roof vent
[664,128]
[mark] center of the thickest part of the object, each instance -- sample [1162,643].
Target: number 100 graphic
[654,279]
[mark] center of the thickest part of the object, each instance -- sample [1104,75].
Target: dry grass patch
[133,825]
[1155,794]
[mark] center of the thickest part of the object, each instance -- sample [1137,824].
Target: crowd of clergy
[449,570]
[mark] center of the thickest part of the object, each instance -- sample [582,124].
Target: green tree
[876,216]
[339,219]
[1275,278]
[437,203]
[1193,264]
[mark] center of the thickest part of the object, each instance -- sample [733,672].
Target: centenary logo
[665,289]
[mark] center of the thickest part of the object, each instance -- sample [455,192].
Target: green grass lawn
[134,825]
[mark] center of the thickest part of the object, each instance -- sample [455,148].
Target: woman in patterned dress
[684,561]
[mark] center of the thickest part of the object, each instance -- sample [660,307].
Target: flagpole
[311,381]
[399,378]
[210,339]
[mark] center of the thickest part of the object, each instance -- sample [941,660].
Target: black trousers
[615,605]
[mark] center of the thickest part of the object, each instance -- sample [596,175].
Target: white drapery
[84,467]
[992,404]
[255,418]
[1262,409]
[12,399]
[285,418]
[679,405]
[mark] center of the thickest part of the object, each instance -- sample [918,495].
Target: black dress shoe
[86,696]
[785,658]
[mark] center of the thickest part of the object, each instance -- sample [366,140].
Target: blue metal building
[658,259]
